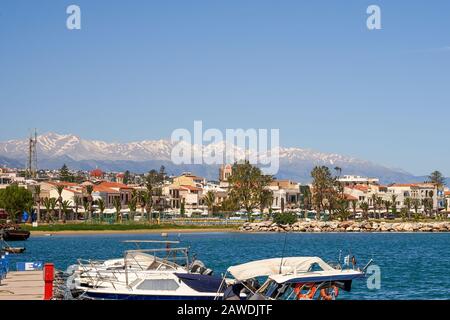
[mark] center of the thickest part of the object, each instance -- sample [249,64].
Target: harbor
[402,258]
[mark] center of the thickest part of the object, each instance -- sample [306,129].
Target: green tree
[101,207]
[365,209]
[118,206]
[342,209]
[394,204]
[47,205]
[77,202]
[387,205]
[64,174]
[15,200]
[59,189]
[437,179]
[126,177]
[408,203]
[247,182]
[53,203]
[132,206]
[325,189]
[90,199]
[380,203]
[183,208]
[266,200]
[65,205]
[37,201]
[210,199]
[416,205]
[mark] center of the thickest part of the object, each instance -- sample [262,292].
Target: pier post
[49,276]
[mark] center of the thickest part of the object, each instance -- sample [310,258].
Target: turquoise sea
[413,266]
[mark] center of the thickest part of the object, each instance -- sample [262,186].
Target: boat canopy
[319,276]
[268,267]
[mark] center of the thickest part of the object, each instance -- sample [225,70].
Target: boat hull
[16,235]
[118,296]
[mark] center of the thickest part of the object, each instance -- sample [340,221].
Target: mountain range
[79,154]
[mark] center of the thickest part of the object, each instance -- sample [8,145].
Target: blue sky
[140,69]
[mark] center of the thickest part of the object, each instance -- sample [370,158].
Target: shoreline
[135,231]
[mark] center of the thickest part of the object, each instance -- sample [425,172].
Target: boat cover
[200,282]
[268,267]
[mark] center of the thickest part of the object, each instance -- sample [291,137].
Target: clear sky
[140,69]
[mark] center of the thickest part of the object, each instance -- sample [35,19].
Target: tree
[323,188]
[387,205]
[210,199]
[354,205]
[342,209]
[77,201]
[60,189]
[416,204]
[64,174]
[89,190]
[394,204]
[37,201]
[47,205]
[65,209]
[365,209]
[86,209]
[132,205]
[126,177]
[380,206]
[15,200]
[437,179]
[101,207]
[247,182]
[408,203]
[53,203]
[266,200]
[118,206]
[374,204]
[183,208]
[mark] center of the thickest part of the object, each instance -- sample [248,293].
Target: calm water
[413,266]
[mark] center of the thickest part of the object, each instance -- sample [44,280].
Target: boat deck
[23,285]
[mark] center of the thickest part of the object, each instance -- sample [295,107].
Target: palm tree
[365,208]
[47,205]
[342,209]
[118,206]
[387,205]
[209,200]
[65,208]
[53,203]
[394,204]
[86,208]
[76,202]
[148,200]
[374,203]
[37,201]
[89,190]
[60,189]
[408,204]
[132,204]
[354,204]
[416,204]
[379,206]
[101,207]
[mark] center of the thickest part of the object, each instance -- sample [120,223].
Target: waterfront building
[352,180]
[285,193]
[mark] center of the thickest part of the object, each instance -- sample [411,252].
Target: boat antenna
[283,252]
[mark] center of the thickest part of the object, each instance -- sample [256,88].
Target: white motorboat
[149,274]
[291,278]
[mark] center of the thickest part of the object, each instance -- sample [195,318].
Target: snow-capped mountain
[55,149]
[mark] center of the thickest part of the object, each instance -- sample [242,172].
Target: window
[168,285]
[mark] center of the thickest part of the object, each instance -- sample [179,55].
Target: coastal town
[60,196]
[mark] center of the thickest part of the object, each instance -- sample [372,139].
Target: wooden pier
[23,285]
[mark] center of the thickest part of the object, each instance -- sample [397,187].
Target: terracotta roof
[359,187]
[100,188]
[66,184]
[349,197]
[108,184]
[191,188]
[96,173]
[447,193]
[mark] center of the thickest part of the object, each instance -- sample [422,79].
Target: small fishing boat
[291,278]
[14,250]
[14,233]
